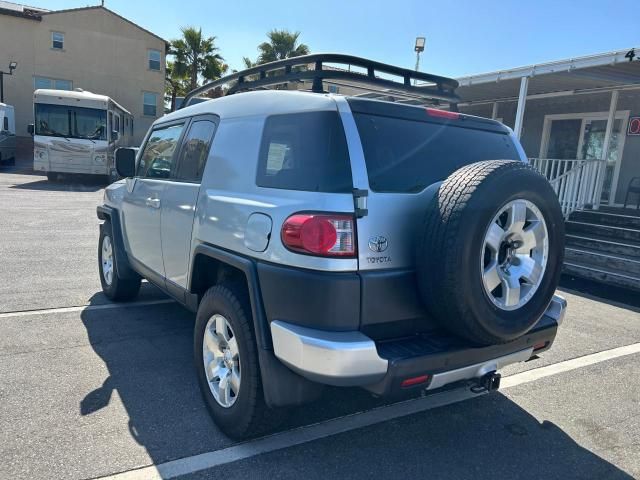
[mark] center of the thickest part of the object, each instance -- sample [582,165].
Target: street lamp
[12,66]
[419,48]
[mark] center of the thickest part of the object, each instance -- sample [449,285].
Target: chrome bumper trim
[557,309]
[479,369]
[334,358]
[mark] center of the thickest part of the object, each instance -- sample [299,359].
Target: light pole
[12,67]
[419,48]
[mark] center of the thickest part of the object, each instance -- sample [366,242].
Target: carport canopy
[604,72]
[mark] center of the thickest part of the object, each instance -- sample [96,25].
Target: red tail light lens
[410,382]
[435,112]
[321,235]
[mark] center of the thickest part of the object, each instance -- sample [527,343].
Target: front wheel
[227,363]
[113,285]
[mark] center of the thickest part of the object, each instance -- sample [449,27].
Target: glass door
[593,132]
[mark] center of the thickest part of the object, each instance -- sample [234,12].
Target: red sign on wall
[634,126]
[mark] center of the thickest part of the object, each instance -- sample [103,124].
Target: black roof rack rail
[434,87]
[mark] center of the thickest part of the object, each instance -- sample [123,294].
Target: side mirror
[114,135]
[126,162]
[31,128]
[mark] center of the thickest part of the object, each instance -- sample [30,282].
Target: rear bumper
[353,359]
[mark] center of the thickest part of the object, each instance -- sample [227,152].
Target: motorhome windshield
[70,122]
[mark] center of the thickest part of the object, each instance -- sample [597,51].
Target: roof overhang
[601,72]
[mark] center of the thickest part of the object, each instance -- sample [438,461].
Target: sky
[463,36]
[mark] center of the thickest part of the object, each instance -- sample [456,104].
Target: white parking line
[298,436]
[106,306]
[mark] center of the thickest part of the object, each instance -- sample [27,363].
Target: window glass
[195,150]
[156,159]
[70,122]
[305,151]
[43,82]
[131,125]
[154,59]
[57,40]
[5,123]
[116,125]
[408,155]
[150,102]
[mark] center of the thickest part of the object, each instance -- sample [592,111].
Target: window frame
[155,105]
[54,41]
[185,122]
[150,51]
[191,120]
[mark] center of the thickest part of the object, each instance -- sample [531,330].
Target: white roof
[567,65]
[259,103]
[76,95]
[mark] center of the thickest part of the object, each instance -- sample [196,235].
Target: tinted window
[5,123]
[195,150]
[157,157]
[305,151]
[408,156]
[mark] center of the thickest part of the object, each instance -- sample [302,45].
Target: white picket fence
[576,182]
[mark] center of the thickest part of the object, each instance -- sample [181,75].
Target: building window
[149,103]
[57,40]
[154,60]
[52,83]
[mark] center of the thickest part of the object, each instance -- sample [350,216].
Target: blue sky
[463,36]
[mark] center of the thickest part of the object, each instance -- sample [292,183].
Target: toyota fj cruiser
[337,240]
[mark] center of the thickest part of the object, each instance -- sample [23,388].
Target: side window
[131,125]
[305,151]
[122,126]
[195,150]
[157,157]
[5,124]
[116,126]
[110,127]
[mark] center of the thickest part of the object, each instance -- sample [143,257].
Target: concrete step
[622,234]
[606,218]
[603,275]
[603,261]
[631,211]
[602,245]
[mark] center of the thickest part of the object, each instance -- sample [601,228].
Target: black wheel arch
[285,387]
[111,215]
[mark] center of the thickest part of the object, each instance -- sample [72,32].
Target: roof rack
[314,68]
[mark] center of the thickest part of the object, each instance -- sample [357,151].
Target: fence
[577,183]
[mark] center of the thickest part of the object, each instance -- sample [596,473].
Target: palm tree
[196,56]
[176,85]
[282,44]
[248,63]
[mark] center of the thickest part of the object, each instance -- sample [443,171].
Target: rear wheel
[490,254]
[52,176]
[113,285]
[227,363]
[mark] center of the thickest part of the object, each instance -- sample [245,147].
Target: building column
[605,148]
[494,112]
[522,100]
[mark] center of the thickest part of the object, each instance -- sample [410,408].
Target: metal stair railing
[576,182]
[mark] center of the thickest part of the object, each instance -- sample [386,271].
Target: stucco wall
[534,122]
[102,53]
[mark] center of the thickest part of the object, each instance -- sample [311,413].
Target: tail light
[326,235]
[435,112]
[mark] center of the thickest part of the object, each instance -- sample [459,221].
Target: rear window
[305,151]
[406,156]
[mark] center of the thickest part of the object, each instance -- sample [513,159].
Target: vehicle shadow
[616,296]
[68,184]
[148,353]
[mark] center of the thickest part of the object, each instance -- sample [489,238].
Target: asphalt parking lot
[89,389]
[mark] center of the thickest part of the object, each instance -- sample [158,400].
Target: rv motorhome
[7,134]
[78,132]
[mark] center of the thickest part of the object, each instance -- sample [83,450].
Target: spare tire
[490,252]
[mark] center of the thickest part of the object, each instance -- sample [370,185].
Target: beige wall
[102,53]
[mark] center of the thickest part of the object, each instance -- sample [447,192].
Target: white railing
[576,182]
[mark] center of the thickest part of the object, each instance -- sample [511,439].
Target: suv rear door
[405,152]
[180,197]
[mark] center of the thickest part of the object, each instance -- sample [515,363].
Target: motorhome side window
[5,124]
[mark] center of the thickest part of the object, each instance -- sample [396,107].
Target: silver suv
[336,240]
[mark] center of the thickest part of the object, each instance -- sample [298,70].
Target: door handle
[152,202]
